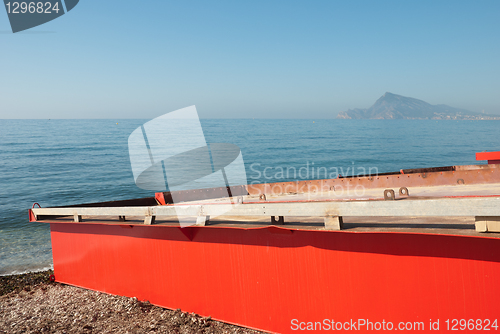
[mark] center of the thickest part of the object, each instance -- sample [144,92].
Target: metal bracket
[403,191]
[280,221]
[389,195]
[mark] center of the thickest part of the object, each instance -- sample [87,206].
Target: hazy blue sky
[244,59]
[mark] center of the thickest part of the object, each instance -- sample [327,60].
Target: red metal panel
[160,198]
[266,277]
[424,177]
[492,157]
[31,216]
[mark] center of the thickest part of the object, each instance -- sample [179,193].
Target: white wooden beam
[440,207]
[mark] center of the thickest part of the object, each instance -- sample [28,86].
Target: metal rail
[486,210]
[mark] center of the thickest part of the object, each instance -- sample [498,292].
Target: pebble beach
[31,303]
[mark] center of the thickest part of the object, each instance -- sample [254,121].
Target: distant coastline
[392,106]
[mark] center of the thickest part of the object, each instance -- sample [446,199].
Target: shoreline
[28,271]
[16,283]
[31,303]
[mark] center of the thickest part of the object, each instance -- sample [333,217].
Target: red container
[285,280]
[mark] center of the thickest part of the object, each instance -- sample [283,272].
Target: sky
[250,59]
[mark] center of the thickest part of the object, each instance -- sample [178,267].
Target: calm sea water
[63,162]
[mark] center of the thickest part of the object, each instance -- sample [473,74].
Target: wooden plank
[488,224]
[101,211]
[333,223]
[461,207]
[148,220]
[202,220]
[458,207]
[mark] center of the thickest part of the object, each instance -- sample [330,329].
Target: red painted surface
[265,277]
[160,198]
[31,215]
[492,157]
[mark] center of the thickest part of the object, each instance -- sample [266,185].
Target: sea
[66,162]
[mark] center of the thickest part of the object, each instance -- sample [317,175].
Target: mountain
[392,106]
